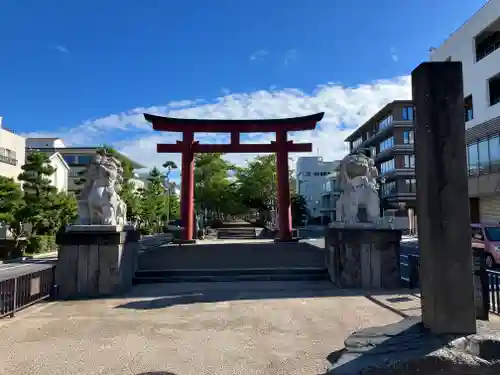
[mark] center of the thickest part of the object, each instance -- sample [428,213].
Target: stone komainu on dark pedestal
[95,262]
[363,257]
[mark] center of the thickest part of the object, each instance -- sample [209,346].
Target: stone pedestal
[408,348]
[96,260]
[363,257]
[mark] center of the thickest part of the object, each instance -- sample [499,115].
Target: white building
[311,174]
[12,153]
[59,179]
[77,158]
[477,45]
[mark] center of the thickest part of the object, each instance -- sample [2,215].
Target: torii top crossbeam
[228,126]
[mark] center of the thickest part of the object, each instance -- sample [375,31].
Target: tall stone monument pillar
[442,199]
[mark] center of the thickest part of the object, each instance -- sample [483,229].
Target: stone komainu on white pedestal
[358,181]
[99,202]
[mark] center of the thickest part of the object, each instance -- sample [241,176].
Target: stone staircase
[243,233]
[232,262]
[231,275]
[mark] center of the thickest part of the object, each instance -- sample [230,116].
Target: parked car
[487,237]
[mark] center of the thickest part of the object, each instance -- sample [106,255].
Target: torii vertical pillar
[187,186]
[284,204]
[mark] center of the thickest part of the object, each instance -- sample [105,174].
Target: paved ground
[225,328]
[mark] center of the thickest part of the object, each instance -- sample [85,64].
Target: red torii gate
[188,147]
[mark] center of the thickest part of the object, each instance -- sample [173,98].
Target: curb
[38,256]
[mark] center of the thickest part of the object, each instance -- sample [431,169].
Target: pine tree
[38,191]
[10,199]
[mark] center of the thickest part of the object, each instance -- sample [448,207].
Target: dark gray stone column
[442,199]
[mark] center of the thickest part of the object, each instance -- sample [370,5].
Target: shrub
[145,231]
[41,244]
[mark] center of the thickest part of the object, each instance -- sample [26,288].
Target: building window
[386,144]
[408,185]
[357,142]
[387,166]
[70,159]
[488,40]
[408,137]
[385,123]
[84,159]
[388,188]
[494,146]
[8,156]
[472,159]
[307,174]
[483,157]
[494,89]
[408,113]
[409,161]
[468,108]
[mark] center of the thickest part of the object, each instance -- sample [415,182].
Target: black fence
[20,288]
[409,266]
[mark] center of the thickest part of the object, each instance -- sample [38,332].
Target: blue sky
[85,70]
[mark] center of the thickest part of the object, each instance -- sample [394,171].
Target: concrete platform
[225,329]
[233,254]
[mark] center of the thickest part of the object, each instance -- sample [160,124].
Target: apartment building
[12,154]
[77,158]
[311,173]
[388,135]
[330,195]
[477,45]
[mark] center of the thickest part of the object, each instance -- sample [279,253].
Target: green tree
[154,207]
[10,199]
[38,192]
[257,183]
[211,182]
[169,166]
[299,209]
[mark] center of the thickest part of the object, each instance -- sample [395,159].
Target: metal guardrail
[19,290]
[410,274]
[494,287]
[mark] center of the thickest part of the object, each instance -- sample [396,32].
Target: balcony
[7,160]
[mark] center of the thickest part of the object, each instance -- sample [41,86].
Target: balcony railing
[7,160]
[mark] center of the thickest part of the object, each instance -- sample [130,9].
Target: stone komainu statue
[99,200]
[358,182]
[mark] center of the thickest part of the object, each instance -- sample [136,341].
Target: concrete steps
[230,275]
[242,233]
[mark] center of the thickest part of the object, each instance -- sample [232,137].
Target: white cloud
[61,48]
[290,56]
[394,54]
[345,108]
[259,55]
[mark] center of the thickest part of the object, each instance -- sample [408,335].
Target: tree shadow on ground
[160,296]
[406,340]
